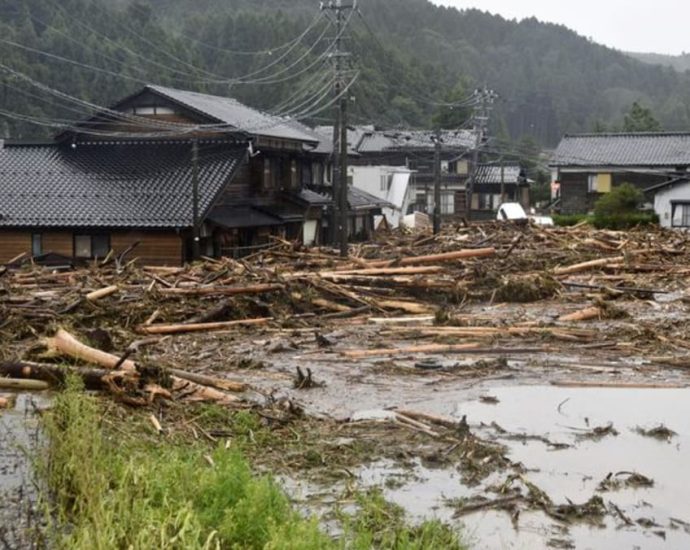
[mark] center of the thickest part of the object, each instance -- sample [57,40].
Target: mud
[19,438]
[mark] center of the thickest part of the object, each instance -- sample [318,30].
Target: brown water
[573,473]
[19,436]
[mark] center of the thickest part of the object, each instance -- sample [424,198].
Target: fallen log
[586,266]
[63,343]
[431,348]
[379,271]
[221,290]
[102,293]
[205,380]
[444,421]
[201,327]
[67,344]
[23,385]
[583,315]
[436,258]
[55,375]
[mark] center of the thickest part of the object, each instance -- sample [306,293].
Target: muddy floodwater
[550,418]
[19,436]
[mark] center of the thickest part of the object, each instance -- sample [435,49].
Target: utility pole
[196,234]
[485,99]
[437,182]
[340,214]
[503,182]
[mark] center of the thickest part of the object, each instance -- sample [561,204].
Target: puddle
[19,434]
[563,416]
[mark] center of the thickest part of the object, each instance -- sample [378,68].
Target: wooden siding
[12,244]
[155,247]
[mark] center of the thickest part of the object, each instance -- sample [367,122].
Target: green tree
[624,199]
[454,111]
[640,119]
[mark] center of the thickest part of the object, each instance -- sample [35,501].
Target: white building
[672,203]
[391,183]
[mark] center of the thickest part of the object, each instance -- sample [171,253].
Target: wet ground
[19,436]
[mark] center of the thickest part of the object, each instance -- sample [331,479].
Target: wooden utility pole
[340,203]
[196,230]
[503,182]
[437,182]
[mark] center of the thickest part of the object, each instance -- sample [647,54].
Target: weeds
[121,490]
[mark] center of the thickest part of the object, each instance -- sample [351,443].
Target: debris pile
[426,278]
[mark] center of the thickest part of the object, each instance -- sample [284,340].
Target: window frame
[36,244]
[685,213]
[92,245]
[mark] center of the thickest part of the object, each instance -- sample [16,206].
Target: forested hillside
[678,62]
[412,56]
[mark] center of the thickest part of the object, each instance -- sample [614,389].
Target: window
[91,246]
[448,203]
[385,182]
[36,244]
[681,215]
[592,183]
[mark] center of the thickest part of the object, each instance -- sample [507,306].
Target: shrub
[626,220]
[623,199]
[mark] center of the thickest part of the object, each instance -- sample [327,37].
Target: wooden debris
[102,293]
[201,327]
[582,315]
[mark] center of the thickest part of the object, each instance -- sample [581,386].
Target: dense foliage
[413,56]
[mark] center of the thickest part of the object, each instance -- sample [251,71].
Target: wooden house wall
[155,248]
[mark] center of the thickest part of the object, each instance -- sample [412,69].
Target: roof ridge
[627,134]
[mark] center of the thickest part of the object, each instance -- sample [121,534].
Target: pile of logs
[289,286]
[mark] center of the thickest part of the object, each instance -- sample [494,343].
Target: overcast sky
[659,26]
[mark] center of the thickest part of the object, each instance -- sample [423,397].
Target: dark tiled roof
[356,198]
[490,173]
[359,199]
[114,184]
[242,216]
[632,149]
[313,198]
[230,111]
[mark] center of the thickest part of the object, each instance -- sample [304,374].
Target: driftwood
[21,384]
[55,375]
[67,344]
[436,258]
[102,293]
[221,290]
[444,421]
[201,327]
[6,403]
[583,315]
[586,266]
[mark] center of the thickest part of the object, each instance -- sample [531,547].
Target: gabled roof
[145,184]
[226,110]
[490,173]
[629,149]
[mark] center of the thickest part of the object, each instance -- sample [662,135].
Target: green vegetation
[412,60]
[623,199]
[640,119]
[116,486]
[619,209]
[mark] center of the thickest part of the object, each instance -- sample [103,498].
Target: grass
[117,489]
